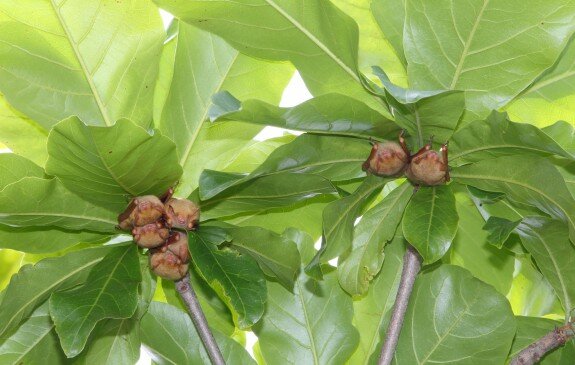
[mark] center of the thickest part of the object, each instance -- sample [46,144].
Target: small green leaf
[236,278]
[76,312]
[455,318]
[34,201]
[106,165]
[33,285]
[330,114]
[430,222]
[170,335]
[499,230]
[377,227]
[14,168]
[400,94]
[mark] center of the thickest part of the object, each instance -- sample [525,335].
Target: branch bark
[184,288]
[411,267]
[534,352]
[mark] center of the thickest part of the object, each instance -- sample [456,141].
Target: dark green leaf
[455,318]
[377,227]
[171,337]
[499,230]
[14,168]
[330,113]
[430,222]
[110,292]
[106,165]
[236,279]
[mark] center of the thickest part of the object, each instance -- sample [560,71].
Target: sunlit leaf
[14,168]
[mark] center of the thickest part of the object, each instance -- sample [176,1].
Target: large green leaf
[371,313]
[338,222]
[550,97]
[108,164]
[497,136]
[10,262]
[430,222]
[95,59]
[279,190]
[377,227]
[523,179]
[471,250]
[330,113]
[312,325]
[198,65]
[236,278]
[171,337]
[334,158]
[547,241]
[473,46]
[455,318]
[319,39]
[33,285]
[21,134]
[40,202]
[14,168]
[390,16]
[530,329]
[110,292]
[34,342]
[563,134]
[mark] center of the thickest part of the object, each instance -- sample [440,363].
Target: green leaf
[275,30]
[10,262]
[430,222]
[530,329]
[40,202]
[107,165]
[33,285]
[390,16]
[171,337]
[267,192]
[499,230]
[372,312]
[378,225]
[34,342]
[14,168]
[563,134]
[21,134]
[328,114]
[547,241]
[550,97]
[400,94]
[454,46]
[76,312]
[338,222]
[198,65]
[97,60]
[334,158]
[497,136]
[523,179]
[276,254]
[470,248]
[312,325]
[454,317]
[236,278]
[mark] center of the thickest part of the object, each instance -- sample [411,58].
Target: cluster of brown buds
[392,159]
[153,221]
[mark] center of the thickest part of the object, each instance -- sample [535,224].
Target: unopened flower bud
[142,210]
[182,213]
[151,235]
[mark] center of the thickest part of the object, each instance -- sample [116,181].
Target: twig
[411,267]
[184,288]
[534,352]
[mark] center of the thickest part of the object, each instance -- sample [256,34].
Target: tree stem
[411,267]
[184,288]
[534,352]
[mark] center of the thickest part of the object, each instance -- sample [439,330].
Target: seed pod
[386,159]
[182,213]
[142,210]
[170,261]
[151,235]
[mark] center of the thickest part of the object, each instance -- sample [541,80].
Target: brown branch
[411,267]
[184,288]
[534,352]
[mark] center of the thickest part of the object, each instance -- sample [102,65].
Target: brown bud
[386,159]
[170,261]
[142,210]
[182,213]
[151,235]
